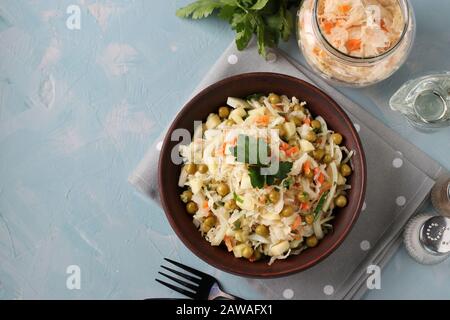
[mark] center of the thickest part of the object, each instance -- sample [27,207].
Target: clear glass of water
[425,101]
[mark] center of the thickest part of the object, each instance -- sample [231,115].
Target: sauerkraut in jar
[355,42]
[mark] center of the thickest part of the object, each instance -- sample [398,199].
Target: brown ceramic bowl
[208,101]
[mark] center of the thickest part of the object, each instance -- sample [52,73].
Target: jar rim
[405,7]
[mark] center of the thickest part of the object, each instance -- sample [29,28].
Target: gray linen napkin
[400,178]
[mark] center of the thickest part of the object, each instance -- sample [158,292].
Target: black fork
[199,285]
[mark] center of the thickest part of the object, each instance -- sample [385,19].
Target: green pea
[318,154]
[262,230]
[202,168]
[327,158]
[208,223]
[224,112]
[337,138]
[191,207]
[223,189]
[346,170]
[315,124]
[287,211]
[340,201]
[312,241]
[229,123]
[274,98]
[274,196]
[190,168]
[311,136]
[247,252]
[230,205]
[186,196]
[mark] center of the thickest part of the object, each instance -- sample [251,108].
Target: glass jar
[440,195]
[342,68]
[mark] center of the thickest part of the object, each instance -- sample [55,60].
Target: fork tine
[183,275]
[182,291]
[183,283]
[191,270]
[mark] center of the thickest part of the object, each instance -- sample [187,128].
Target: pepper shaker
[427,238]
[440,195]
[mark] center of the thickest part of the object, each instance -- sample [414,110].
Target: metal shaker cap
[435,235]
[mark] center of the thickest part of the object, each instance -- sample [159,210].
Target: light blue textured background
[79,108]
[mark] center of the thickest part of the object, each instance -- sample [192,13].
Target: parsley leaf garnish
[288,182]
[199,9]
[256,178]
[269,20]
[256,153]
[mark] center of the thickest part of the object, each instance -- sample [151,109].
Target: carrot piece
[307,121]
[205,204]
[353,44]
[221,150]
[307,167]
[297,223]
[327,26]
[292,151]
[321,178]
[284,146]
[383,25]
[228,243]
[316,170]
[264,120]
[304,206]
[345,8]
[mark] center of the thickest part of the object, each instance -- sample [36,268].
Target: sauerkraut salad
[372,38]
[361,28]
[277,201]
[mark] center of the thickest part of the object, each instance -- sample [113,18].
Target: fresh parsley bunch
[269,20]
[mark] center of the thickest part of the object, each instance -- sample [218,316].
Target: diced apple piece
[246,182]
[196,185]
[290,129]
[237,114]
[341,180]
[306,146]
[279,248]
[237,250]
[248,203]
[212,121]
[238,103]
